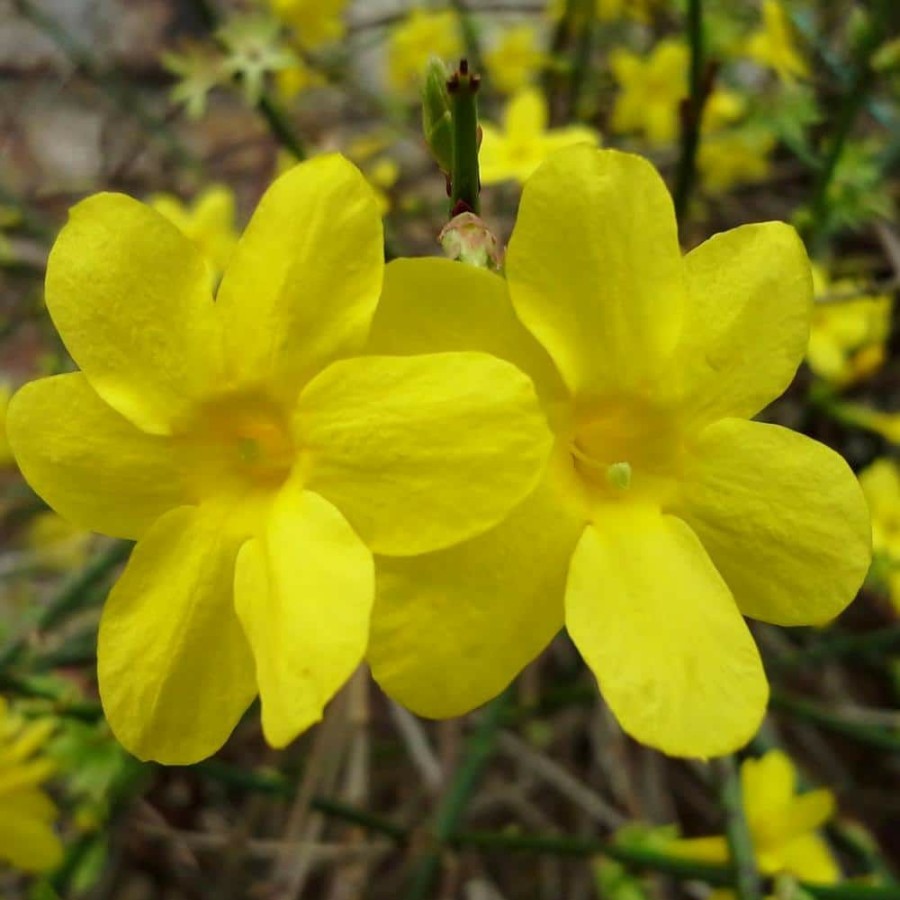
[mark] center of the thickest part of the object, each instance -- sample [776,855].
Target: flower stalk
[465,183]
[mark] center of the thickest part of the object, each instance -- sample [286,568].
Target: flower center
[238,443]
[627,448]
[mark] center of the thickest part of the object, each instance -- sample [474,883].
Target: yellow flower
[296,78]
[735,156]
[57,543]
[783,824]
[665,515]
[516,59]
[382,172]
[6,457]
[609,10]
[773,45]
[414,41]
[525,141]
[881,485]
[314,22]
[27,839]
[848,338]
[209,222]
[256,459]
[651,90]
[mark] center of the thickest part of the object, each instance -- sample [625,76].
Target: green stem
[692,111]
[581,62]
[454,802]
[634,857]
[277,785]
[280,127]
[740,842]
[648,860]
[882,640]
[70,597]
[464,179]
[855,100]
[469,35]
[871,735]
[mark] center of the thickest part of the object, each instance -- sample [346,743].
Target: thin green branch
[641,859]
[855,100]
[583,53]
[880,641]
[469,33]
[691,110]
[71,597]
[740,842]
[872,735]
[465,185]
[454,802]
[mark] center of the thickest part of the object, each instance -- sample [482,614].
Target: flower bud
[466,238]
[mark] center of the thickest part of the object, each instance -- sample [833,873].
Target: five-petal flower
[257,462]
[665,516]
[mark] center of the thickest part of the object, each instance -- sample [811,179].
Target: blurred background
[194,106]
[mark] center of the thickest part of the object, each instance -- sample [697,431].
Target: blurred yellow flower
[258,460]
[516,150]
[27,837]
[515,59]
[773,45]
[57,543]
[6,456]
[608,10]
[848,339]
[783,824]
[735,156]
[651,89]
[881,485]
[666,514]
[314,22]
[209,222]
[421,35]
[368,151]
[731,154]
[296,78]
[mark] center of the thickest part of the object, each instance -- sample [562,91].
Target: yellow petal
[660,630]
[809,859]
[26,775]
[746,323]
[782,517]
[90,464]
[304,594]
[422,452]
[304,279]
[767,786]
[594,267]
[129,294]
[526,114]
[880,483]
[28,843]
[175,669]
[28,803]
[440,306]
[451,629]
